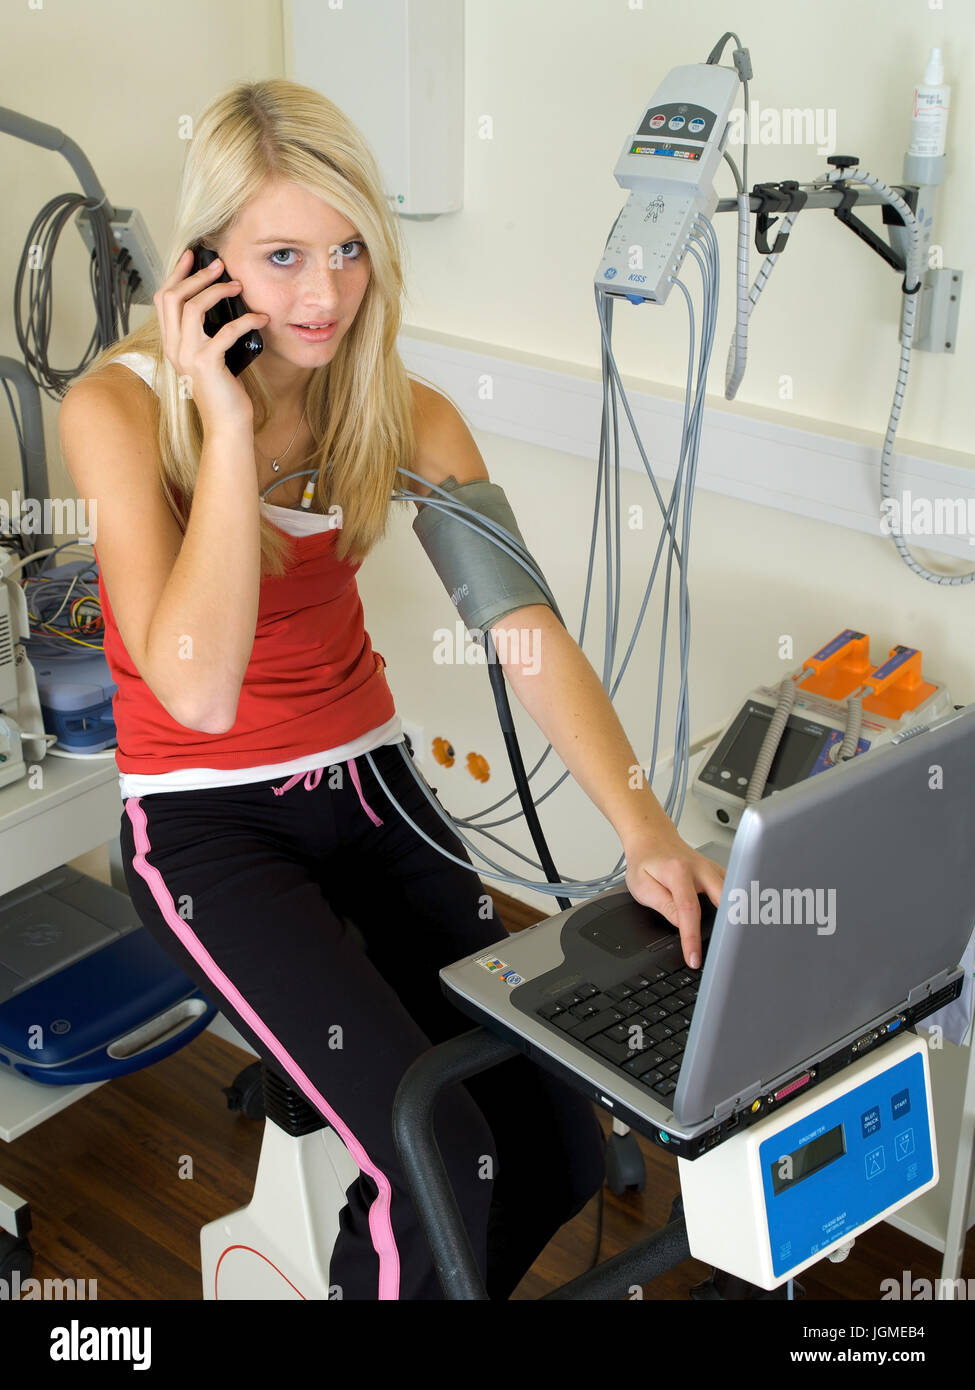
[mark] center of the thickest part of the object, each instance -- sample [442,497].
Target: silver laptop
[848,903]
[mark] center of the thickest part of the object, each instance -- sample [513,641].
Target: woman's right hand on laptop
[664,873]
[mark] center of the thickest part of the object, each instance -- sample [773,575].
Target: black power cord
[500,692]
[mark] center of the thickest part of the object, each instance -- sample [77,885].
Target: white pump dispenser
[929,118]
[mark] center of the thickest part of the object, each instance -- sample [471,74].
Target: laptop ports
[795,1085]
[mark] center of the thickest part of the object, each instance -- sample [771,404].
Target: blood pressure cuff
[484,582]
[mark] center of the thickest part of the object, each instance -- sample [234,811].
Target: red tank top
[313,680]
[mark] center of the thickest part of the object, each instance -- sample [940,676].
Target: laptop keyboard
[639,1025]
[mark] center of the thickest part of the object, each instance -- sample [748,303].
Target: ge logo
[41,934]
[610,272]
[60,1026]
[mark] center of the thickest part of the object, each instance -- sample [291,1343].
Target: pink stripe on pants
[380,1225]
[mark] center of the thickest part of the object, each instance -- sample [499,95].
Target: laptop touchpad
[628,928]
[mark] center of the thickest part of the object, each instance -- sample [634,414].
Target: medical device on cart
[802,1183]
[836,705]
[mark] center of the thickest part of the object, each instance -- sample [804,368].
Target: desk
[75,808]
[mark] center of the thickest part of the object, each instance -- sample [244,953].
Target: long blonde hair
[359,405]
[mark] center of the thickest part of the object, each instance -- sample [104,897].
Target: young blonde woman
[253,828]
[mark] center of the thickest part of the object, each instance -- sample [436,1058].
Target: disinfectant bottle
[929,120]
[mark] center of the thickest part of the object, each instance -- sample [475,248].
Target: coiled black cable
[111,288]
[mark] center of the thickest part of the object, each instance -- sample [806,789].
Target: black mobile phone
[241,353]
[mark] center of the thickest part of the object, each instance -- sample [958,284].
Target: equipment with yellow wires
[55,684]
[65,610]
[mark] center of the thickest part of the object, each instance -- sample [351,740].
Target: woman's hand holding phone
[181,304]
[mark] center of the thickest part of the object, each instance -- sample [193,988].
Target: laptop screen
[843,894]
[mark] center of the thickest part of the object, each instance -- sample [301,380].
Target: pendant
[274,465]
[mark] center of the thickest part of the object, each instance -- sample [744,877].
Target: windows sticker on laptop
[503,971]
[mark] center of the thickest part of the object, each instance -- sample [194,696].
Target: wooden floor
[108,1203]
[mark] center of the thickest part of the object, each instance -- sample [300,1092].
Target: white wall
[562,82]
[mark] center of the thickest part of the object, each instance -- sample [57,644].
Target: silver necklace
[274,461]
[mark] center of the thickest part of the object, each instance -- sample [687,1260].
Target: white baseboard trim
[782,461]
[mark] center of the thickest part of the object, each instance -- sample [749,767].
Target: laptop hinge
[728,1107]
[936,982]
